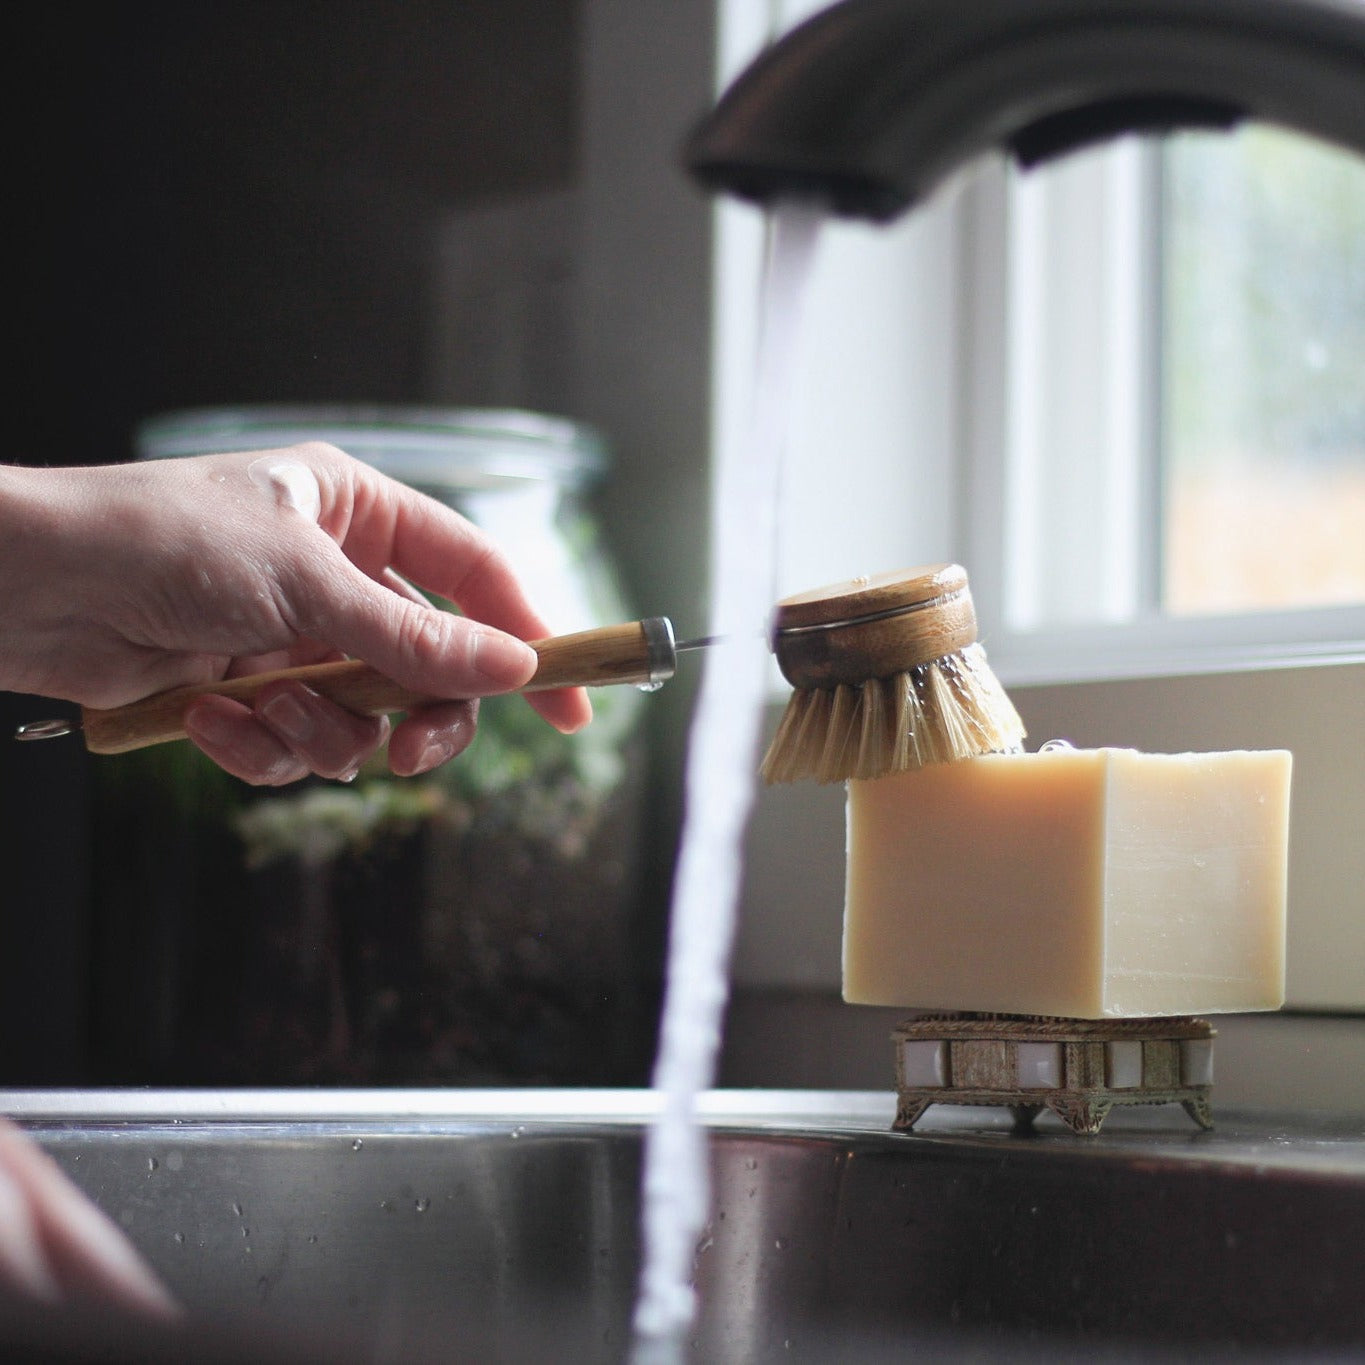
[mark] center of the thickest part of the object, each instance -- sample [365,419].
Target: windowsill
[1173,647]
[1058,659]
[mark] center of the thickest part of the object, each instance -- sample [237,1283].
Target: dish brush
[888,677]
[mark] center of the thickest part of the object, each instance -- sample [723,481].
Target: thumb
[419,646]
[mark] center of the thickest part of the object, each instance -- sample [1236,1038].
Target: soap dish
[1078,1068]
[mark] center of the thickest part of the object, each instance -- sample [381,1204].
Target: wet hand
[56,1247]
[144,577]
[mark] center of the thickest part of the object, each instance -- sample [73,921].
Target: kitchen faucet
[871,104]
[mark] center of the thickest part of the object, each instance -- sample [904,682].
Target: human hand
[137,578]
[57,1247]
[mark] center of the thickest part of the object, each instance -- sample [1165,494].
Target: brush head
[888,677]
[873,627]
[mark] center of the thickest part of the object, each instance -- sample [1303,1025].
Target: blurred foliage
[542,783]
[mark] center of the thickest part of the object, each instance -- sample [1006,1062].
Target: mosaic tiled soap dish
[1078,1068]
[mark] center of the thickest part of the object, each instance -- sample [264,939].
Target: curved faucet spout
[868,106]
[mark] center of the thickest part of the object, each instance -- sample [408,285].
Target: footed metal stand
[1078,1068]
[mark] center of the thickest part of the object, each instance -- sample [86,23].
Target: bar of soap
[1088,883]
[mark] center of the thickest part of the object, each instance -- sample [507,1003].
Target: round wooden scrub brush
[888,677]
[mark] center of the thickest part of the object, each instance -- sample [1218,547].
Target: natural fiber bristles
[939,712]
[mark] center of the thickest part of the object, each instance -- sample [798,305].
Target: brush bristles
[940,712]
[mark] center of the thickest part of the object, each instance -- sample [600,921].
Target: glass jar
[472,926]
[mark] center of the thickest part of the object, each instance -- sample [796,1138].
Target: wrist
[37,521]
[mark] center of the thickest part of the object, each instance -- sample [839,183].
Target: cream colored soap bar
[1089,883]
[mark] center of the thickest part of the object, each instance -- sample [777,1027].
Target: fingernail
[208,724]
[501,659]
[433,756]
[289,716]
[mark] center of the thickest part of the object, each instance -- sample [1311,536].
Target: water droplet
[518,1130]
[1055,745]
[312,1239]
[237,1209]
[778,1244]
[179,1238]
[421,1205]
[357,1144]
[751,1164]
[246,1232]
[152,1164]
[649,686]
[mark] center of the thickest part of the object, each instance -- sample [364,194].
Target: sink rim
[858,1110]
[1313,1143]
[815,1159]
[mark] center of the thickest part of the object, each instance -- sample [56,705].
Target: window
[1262,496]
[1178,450]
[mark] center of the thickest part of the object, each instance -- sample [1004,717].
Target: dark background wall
[224,203]
[237,202]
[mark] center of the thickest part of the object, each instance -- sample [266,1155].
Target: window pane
[1263,446]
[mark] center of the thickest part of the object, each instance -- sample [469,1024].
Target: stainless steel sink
[398,1225]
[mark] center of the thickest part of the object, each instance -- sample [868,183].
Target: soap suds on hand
[292,484]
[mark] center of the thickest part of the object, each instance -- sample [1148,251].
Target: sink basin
[398,1225]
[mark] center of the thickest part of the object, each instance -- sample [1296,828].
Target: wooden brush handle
[639,652]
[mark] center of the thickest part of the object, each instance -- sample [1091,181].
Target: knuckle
[424,639]
[323,451]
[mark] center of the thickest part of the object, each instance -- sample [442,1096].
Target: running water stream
[719,792]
